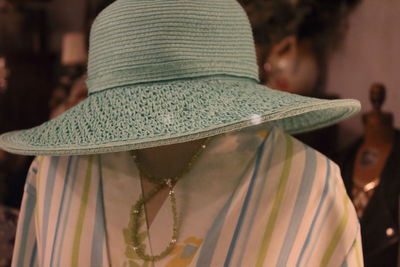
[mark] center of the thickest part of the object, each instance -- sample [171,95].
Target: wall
[65,16]
[370,53]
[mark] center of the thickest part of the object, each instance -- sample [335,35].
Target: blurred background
[324,48]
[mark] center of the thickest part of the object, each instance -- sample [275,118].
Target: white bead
[203,146]
[173,241]
[389,231]
[136,211]
[171,192]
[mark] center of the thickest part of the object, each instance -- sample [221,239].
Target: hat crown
[133,42]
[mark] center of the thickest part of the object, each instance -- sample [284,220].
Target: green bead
[137,210]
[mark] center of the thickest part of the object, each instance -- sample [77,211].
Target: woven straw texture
[162,72]
[136,41]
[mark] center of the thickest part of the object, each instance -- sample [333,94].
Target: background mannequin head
[294,39]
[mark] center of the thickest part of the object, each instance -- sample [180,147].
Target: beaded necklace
[137,210]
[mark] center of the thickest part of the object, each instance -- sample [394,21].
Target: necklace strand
[137,210]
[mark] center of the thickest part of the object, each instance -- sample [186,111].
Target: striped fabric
[248,201]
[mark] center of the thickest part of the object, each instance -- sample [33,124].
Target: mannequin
[373,153]
[371,173]
[164,161]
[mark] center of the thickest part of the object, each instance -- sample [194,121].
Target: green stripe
[277,202]
[358,254]
[337,235]
[81,217]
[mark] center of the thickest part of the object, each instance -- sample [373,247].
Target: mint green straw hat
[168,71]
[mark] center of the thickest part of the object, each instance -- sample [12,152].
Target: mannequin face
[291,67]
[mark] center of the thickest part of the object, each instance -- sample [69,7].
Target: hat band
[170,71]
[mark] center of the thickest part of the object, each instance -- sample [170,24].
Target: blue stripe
[66,179]
[323,197]
[257,201]
[208,247]
[325,217]
[303,195]
[99,227]
[50,179]
[245,205]
[328,211]
[68,205]
[33,257]
[28,210]
[212,236]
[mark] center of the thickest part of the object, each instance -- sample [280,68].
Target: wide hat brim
[155,114]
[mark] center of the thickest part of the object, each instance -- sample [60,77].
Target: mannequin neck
[378,128]
[168,161]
